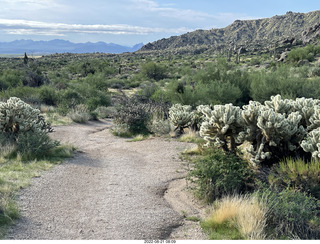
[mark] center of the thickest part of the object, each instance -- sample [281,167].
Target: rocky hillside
[249,35]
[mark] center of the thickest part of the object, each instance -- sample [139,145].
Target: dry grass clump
[191,136]
[237,217]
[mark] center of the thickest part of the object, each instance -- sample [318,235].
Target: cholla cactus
[181,116]
[277,132]
[223,125]
[250,114]
[18,117]
[307,108]
[314,121]
[279,105]
[271,132]
[312,143]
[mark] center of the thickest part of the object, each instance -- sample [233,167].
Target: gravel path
[111,189]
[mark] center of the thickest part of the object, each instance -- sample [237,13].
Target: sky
[128,22]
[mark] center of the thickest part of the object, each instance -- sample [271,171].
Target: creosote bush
[297,174]
[137,113]
[217,173]
[80,114]
[291,214]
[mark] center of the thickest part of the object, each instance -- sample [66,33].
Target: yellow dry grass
[245,213]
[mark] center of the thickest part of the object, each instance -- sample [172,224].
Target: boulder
[283,57]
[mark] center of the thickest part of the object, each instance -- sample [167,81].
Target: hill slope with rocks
[249,35]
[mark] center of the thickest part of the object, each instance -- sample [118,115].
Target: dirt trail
[111,189]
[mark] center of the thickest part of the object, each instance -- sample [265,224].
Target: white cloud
[169,12]
[23,27]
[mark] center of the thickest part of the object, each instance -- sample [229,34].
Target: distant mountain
[62,46]
[251,35]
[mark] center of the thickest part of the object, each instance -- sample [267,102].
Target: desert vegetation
[256,122]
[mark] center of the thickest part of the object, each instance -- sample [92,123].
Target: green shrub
[70,99]
[106,112]
[121,130]
[307,52]
[80,114]
[154,71]
[48,95]
[297,174]
[97,100]
[217,173]
[159,127]
[283,81]
[291,214]
[35,145]
[134,113]
[26,93]
[10,78]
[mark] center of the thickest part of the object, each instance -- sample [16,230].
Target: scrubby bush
[105,112]
[307,52]
[217,173]
[48,95]
[159,126]
[291,214]
[132,112]
[297,174]
[154,71]
[35,145]
[79,114]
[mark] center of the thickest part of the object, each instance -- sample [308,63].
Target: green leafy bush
[159,126]
[297,174]
[48,95]
[291,214]
[79,114]
[217,173]
[154,71]
[35,145]
[105,112]
[133,113]
[307,52]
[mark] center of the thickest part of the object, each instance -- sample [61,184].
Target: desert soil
[111,189]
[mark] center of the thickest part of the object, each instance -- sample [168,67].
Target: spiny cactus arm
[16,116]
[222,125]
[181,116]
[279,105]
[314,119]
[306,107]
[257,156]
[312,143]
[205,110]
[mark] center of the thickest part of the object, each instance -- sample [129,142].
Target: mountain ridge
[62,46]
[291,28]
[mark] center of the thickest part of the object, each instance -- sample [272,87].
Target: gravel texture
[111,189]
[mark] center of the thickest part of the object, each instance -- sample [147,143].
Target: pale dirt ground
[111,189]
